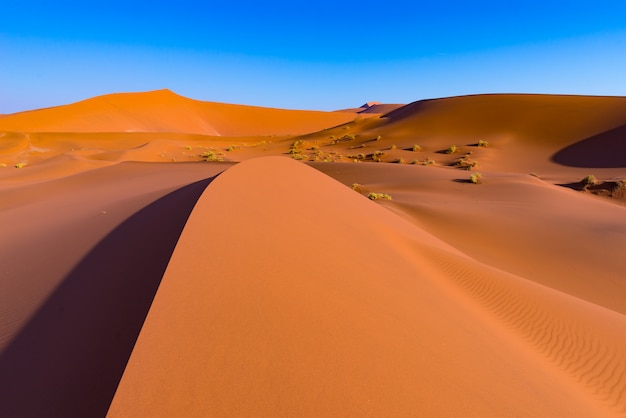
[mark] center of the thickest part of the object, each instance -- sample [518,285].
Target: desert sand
[164,256]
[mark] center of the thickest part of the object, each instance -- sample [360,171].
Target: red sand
[156,289]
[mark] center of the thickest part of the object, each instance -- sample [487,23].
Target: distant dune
[166,112]
[452,257]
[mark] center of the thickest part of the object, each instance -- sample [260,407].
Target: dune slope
[85,256]
[290,294]
[165,111]
[539,119]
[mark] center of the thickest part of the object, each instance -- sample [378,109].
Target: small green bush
[378,156]
[211,156]
[359,156]
[378,196]
[465,163]
[482,144]
[358,188]
[590,180]
[416,148]
[451,149]
[475,178]
[20,165]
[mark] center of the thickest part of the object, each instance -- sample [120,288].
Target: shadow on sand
[68,359]
[605,150]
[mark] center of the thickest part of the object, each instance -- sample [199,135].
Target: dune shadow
[605,150]
[69,358]
[612,189]
[406,110]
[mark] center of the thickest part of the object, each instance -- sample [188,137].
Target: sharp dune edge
[138,279]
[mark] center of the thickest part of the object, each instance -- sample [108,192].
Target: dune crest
[290,294]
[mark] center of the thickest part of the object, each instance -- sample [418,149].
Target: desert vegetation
[465,163]
[378,196]
[589,180]
[475,178]
[451,149]
[211,156]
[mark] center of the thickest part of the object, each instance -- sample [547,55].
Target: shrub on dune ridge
[378,196]
[359,188]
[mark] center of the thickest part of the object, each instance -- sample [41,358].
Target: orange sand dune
[538,119]
[83,257]
[518,122]
[165,111]
[315,301]
[141,276]
[518,223]
[377,108]
[557,137]
[381,108]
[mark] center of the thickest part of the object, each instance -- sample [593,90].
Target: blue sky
[319,55]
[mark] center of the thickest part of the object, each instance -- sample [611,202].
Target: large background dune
[140,279]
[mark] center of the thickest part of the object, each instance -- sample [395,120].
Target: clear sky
[316,55]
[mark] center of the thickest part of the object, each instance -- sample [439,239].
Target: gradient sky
[319,55]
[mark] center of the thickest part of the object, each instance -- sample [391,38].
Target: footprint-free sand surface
[164,256]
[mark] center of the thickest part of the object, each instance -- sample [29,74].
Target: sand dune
[78,276]
[356,294]
[165,111]
[518,223]
[542,119]
[139,276]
